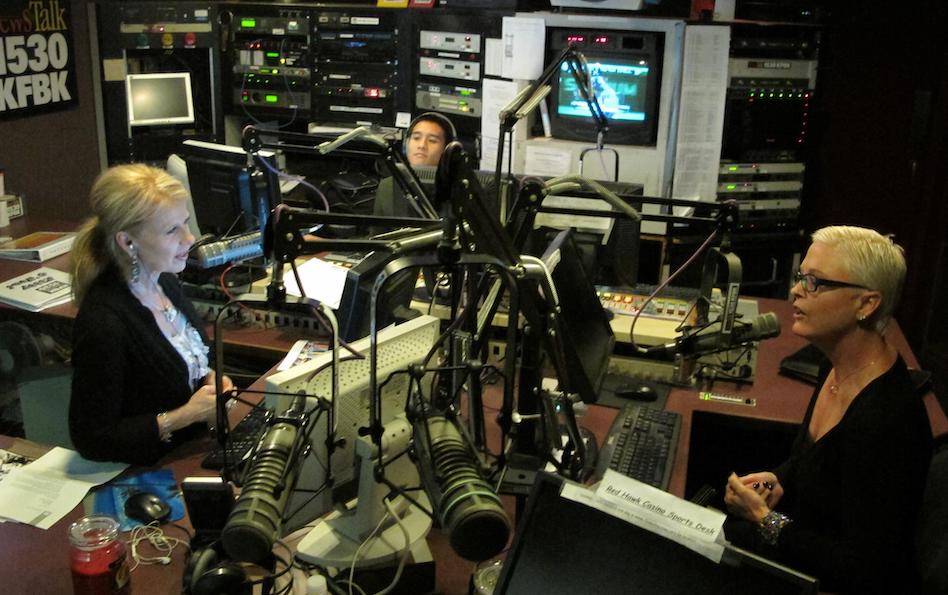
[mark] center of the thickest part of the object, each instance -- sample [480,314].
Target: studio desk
[36,561]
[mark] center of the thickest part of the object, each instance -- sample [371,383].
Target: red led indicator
[601,39]
[372,92]
[576,38]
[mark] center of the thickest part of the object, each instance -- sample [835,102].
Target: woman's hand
[202,406]
[743,500]
[226,383]
[766,484]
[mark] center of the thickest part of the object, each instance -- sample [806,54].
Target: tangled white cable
[162,544]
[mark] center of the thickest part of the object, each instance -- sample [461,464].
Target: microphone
[362,132]
[574,182]
[764,326]
[254,523]
[241,247]
[469,510]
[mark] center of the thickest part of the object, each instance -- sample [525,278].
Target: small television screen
[620,87]
[624,70]
[159,98]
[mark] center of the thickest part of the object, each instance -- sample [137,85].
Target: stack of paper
[37,290]
[47,489]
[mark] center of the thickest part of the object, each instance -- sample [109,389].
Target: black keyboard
[641,444]
[240,441]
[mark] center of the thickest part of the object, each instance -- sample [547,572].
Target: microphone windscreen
[470,511]
[765,326]
[254,523]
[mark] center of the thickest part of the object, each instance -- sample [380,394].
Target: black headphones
[450,132]
[206,574]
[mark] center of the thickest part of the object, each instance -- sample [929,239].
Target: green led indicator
[731,186]
[272,98]
[732,168]
[273,54]
[248,23]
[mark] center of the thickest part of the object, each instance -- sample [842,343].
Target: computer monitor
[398,347]
[564,547]
[610,246]
[229,196]
[159,99]
[584,330]
[390,203]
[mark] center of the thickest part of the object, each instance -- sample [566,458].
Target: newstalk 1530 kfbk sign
[37,69]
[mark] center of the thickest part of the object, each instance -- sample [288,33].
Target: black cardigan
[125,373]
[854,494]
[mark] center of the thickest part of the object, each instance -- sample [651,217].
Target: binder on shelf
[38,246]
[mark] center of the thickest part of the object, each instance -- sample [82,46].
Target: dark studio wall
[881,138]
[53,158]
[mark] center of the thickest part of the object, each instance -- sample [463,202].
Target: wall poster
[37,64]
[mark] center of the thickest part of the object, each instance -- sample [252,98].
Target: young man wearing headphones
[427,136]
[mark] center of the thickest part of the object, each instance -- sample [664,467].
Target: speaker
[206,574]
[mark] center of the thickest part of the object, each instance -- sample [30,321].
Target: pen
[709,396]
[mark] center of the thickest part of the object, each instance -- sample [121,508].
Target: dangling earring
[136,266]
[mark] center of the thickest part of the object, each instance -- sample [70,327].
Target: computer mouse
[146,507]
[636,392]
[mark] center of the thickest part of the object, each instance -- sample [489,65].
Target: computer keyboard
[641,444]
[240,441]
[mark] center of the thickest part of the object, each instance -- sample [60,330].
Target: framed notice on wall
[37,63]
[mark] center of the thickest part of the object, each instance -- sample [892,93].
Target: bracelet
[771,526]
[164,427]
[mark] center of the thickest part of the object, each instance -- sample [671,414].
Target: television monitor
[585,332]
[624,71]
[589,551]
[229,197]
[159,99]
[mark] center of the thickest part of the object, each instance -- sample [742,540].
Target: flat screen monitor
[159,99]
[566,547]
[585,333]
[229,197]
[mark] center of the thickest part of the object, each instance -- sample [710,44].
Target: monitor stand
[336,539]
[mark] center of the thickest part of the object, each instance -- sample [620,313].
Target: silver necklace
[164,307]
[834,388]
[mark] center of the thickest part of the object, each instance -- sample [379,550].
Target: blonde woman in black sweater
[142,382]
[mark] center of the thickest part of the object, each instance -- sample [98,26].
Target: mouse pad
[110,498]
[608,398]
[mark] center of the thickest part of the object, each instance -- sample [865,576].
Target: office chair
[42,386]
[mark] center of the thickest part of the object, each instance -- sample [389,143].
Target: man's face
[425,144]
